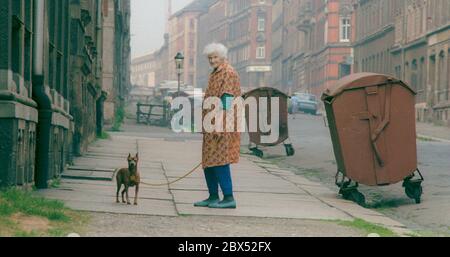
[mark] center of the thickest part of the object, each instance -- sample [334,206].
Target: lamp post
[179,62]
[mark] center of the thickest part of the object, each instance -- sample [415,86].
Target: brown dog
[129,178]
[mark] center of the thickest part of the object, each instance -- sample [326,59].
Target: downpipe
[41,97]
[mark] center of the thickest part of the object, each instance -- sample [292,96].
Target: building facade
[50,86]
[85,71]
[143,71]
[250,42]
[278,33]
[245,27]
[117,58]
[437,107]
[162,62]
[375,35]
[325,51]
[213,27]
[183,30]
[409,39]
[288,45]
[422,59]
[19,110]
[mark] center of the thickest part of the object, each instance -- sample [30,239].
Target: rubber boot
[206,203]
[227,203]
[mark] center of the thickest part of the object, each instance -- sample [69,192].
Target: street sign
[259,68]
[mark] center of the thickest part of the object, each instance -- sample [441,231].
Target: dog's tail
[114,177]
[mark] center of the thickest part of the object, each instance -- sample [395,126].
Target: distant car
[293,104]
[306,103]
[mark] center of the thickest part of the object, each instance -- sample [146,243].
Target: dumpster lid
[361,80]
[259,91]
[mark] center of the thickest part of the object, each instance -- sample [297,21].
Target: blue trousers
[220,175]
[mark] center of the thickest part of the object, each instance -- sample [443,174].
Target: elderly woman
[220,149]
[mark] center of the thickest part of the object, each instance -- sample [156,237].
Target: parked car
[304,102]
[293,104]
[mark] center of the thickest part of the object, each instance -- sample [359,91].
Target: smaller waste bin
[255,137]
[372,124]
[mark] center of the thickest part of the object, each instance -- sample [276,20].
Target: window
[432,71]
[421,81]
[441,84]
[345,29]
[398,72]
[344,70]
[261,52]
[406,75]
[261,24]
[414,79]
[448,74]
[246,53]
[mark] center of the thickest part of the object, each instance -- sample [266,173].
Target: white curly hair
[216,48]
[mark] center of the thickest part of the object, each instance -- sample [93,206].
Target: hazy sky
[147,24]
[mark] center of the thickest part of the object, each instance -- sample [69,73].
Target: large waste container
[372,124]
[255,137]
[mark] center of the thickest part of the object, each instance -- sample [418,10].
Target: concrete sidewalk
[433,132]
[261,189]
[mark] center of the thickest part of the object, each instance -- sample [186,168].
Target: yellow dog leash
[183,177]
[172,182]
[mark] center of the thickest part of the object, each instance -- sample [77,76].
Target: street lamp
[179,61]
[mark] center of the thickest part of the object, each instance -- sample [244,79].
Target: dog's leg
[136,195]
[128,198]
[119,185]
[123,194]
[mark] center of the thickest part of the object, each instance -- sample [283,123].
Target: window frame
[261,24]
[261,50]
[345,29]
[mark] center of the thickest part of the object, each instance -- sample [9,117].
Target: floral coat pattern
[222,148]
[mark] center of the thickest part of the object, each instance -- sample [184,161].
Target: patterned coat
[222,148]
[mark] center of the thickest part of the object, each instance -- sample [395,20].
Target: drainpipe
[42,99]
[101,99]
[99,12]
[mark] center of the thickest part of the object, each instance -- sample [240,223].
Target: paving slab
[87,175]
[261,188]
[87,168]
[145,207]
[73,190]
[268,205]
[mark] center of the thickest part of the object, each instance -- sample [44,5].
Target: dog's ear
[129,156]
[137,156]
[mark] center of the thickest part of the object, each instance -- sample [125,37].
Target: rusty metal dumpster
[255,137]
[372,124]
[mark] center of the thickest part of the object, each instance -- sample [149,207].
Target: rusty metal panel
[373,132]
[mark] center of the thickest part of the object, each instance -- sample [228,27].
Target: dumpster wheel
[349,190]
[352,194]
[414,192]
[257,152]
[290,151]
[413,187]
[358,198]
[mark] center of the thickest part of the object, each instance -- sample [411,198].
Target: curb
[350,208]
[434,138]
